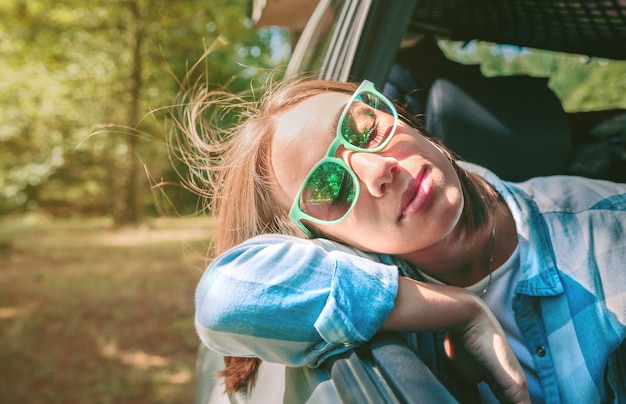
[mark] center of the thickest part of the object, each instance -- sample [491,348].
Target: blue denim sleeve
[292,301]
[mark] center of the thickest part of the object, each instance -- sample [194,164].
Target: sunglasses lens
[362,125]
[328,193]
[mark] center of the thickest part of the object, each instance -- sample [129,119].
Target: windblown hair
[230,169]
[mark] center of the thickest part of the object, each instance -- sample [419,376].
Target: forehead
[311,114]
[302,137]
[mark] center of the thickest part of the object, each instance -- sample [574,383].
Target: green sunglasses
[331,188]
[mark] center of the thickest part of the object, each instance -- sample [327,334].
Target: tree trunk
[131,211]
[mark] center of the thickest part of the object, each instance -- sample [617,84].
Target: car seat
[515,125]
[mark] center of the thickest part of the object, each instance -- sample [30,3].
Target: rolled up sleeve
[292,301]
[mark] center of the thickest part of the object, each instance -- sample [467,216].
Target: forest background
[100,244]
[81,88]
[100,249]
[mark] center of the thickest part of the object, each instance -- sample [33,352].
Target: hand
[476,342]
[481,352]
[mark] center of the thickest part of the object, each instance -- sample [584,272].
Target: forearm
[428,307]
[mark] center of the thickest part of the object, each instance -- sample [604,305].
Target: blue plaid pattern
[570,302]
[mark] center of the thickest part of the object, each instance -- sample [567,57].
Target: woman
[314,160]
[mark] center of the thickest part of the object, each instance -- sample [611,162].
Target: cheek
[359,233]
[455,206]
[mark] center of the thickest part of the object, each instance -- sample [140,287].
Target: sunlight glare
[10,312]
[138,359]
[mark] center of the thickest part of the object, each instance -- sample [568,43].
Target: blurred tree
[68,65]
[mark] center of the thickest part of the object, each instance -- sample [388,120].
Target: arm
[295,302]
[292,301]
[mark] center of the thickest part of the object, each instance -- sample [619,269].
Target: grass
[90,313]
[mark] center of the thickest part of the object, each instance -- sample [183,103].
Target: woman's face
[410,197]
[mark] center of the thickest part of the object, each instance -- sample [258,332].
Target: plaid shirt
[570,301]
[297,302]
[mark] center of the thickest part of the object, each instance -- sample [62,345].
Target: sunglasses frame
[296,214]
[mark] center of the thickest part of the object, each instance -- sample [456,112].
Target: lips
[416,194]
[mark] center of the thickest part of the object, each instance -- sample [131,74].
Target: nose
[375,170]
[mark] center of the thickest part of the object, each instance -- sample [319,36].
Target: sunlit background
[97,272]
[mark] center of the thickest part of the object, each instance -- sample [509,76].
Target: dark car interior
[519,117]
[467,111]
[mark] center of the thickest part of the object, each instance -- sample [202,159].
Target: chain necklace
[491,253]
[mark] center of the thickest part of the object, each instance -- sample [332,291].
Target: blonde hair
[230,169]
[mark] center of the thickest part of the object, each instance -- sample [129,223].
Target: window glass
[313,45]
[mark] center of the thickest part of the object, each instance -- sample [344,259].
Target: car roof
[588,27]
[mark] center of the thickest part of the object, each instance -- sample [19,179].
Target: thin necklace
[493,238]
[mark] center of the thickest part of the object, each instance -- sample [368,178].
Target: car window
[329,42]
[313,45]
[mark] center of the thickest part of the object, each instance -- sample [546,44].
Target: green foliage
[75,100]
[580,82]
